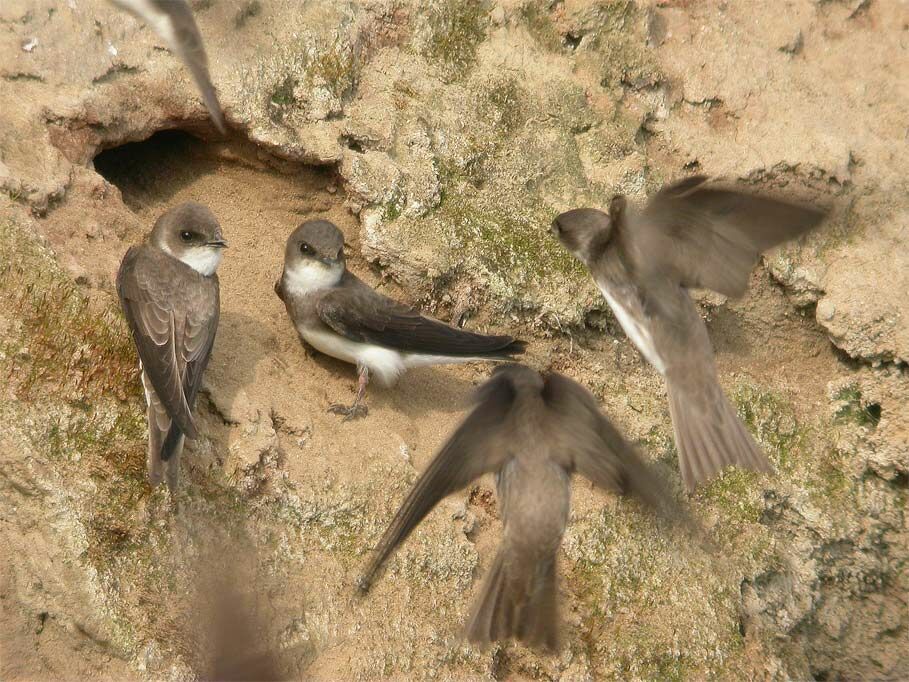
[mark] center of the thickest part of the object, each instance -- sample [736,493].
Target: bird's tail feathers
[505,354]
[173,466]
[710,436]
[165,445]
[516,347]
[518,600]
[172,443]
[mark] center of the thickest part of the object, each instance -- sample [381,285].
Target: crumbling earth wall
[442,137]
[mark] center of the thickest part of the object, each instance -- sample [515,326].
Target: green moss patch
[736,493]
[854,410]
[455,30]
[513,242]
[66,345]
[540,25]
[503,104]
[621,46]
[313,63]
[283,94]
[651,606]
[771,419]
[335,66]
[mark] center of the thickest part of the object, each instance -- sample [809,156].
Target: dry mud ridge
[442,137]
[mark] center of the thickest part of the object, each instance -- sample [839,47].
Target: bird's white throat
[203,259]
[311,275]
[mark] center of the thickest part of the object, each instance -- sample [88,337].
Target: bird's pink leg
[358,409]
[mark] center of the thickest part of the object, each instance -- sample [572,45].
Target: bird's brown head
[519,375]
[315,240]
[191,233]
[314,256]
[519,378]
[584,232]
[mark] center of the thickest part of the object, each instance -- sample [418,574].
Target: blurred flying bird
[225,622]
[234,624]
[533,432]
[169,293]
[338,314]
[691,234]
[173,21]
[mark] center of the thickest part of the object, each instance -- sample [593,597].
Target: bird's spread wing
[704,236]
[474,449]
[187,44]
[173,21]
[360,314]
[598,450]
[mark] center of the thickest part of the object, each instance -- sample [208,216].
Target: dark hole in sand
[165,158]
[160,167]
[874,413]
[571,41]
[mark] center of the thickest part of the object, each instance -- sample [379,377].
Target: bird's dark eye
[186,236]
[305,248]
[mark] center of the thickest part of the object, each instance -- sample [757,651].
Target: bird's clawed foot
[358,409]
[350,412]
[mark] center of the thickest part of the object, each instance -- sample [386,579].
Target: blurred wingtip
[217,117]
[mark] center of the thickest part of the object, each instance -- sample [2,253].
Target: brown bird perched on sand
[170,296]
[338,314]
[533,432]
[691,234]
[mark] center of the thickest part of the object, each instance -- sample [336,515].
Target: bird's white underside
[385,363]
[637,332]
[146,384]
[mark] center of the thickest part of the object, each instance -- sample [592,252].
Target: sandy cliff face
[442,137]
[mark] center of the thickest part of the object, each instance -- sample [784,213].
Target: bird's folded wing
[474,449]
[366,316]
[600,453]
[146,292]
[199,331]
[706,236]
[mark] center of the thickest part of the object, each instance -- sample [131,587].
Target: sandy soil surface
[441,141]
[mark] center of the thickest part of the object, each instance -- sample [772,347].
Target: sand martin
[691,234]
[533,432]
[338,314]
[169,293]
[173,21]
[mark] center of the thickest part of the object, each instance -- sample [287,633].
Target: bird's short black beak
[218,243]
